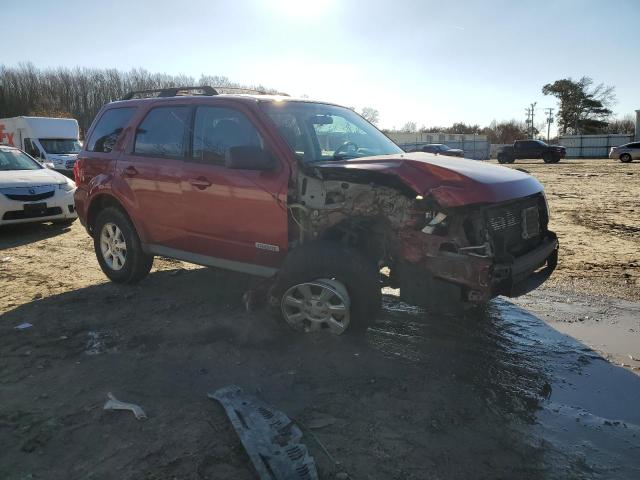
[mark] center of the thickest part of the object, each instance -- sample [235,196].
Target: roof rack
[222,90]
[171,92]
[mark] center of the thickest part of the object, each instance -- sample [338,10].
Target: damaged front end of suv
[442,230]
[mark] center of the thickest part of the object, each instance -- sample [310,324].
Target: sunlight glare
[300,8]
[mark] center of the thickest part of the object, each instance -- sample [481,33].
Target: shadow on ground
[497,395]
[22,234]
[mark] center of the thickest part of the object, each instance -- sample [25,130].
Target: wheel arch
[106,200]
[368,235]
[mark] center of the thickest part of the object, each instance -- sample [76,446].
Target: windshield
[317,132]
[60,145]
[16,160]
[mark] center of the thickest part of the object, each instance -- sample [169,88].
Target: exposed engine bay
[470,253]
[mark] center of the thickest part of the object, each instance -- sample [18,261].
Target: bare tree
[409,127]
[80,92]
[371,115]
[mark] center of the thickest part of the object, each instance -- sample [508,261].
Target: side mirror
[249,157]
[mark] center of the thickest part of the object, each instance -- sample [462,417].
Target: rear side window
[162,132]
[216,129]
[108,129]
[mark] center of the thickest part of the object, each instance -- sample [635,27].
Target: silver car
[626,153]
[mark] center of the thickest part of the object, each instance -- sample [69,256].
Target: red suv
[311,196]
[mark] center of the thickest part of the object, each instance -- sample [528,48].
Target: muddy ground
[539,387]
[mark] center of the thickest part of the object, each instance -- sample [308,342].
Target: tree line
[80,92]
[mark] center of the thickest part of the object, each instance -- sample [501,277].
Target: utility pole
[549,121]
[533,112]
[530,116]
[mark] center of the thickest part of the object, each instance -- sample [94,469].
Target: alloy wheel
[322,304]
[113,246]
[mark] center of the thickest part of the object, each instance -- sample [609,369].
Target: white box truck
[52,141]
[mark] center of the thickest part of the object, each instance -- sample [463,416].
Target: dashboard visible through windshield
[318,132]
[60,146]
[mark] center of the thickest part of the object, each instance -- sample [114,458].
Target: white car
[30,192]
[626,153]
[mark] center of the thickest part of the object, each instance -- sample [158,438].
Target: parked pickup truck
[531,149]
[310,196]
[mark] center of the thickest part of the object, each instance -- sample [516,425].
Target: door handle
[130,171]
[200,182]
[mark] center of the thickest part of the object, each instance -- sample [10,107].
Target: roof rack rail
[222,90]
[171,92]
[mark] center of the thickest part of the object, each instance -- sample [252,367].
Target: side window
[216,129]
[289,128]
[30,148]
[634,145]
[108,129]
[162,132]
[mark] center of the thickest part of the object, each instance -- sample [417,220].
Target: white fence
[474,146]
[592,146]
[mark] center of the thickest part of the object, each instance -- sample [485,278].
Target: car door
[635,150]
[519,149]
[151,174]
[232,215]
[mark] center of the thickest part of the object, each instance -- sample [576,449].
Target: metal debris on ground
[114,404]
[23,326]
[270,438]
[94,346]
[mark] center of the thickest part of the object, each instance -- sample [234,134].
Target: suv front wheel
[327,286]
[118,248]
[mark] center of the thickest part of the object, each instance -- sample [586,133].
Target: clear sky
[432,62]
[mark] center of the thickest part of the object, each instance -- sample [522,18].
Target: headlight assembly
[67,186]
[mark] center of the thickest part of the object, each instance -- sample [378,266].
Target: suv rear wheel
[548,157]
[118,248]
[327,286]
[625,158]
[504,158]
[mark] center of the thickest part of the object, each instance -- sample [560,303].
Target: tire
[137,264]
[556,159]
[625,158]
[324,262]
[548,158]
[502,158]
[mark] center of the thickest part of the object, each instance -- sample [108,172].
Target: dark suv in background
[442,149]
[309,195]
[522,149]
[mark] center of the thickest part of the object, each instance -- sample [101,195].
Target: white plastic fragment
[114,404]
[23,326]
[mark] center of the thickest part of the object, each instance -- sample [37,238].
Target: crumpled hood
[29,178]
[452,181]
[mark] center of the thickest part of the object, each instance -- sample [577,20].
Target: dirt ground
[595,211]
[523,390]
